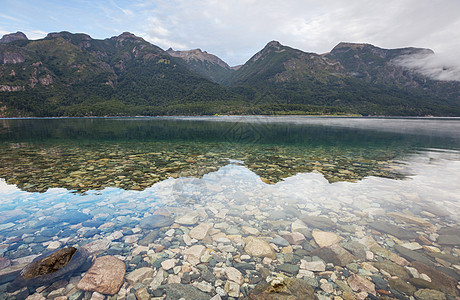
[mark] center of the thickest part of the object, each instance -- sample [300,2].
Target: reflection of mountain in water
[135,153]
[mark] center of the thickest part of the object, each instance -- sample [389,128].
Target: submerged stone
[183,291]
[50,268]
[156,221]
[442,281]
[392,269]
[449,239]
[427,294]
[258,248]
[318,222]
[394,230]
[4,262]
[411,255]
[105,276]
[325,238]
[334,254]
[282,288]
[72,217]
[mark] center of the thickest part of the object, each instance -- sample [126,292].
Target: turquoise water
[67,182]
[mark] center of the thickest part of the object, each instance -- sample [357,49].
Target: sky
[235,30]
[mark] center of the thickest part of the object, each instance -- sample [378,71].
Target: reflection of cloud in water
[434,187]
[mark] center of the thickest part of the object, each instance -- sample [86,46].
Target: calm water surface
[377,191]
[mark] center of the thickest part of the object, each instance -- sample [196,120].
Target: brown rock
[142,294]
[258,248]
[325,238]
[442,281]
[393,269]
[105,276]
[4,262]
[97,247]
[421,283]
[334,254]
[138,275]
[283,289]
[194,253]
[294,238]
[358,283]
[427,294]
[200,231]
[410,219]
[402,286]
[50,268]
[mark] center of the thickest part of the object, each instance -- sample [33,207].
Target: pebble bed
[231,235]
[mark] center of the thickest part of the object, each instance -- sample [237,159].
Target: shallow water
[345,176]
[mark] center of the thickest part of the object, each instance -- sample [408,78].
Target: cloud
[444,67]
[3,16]
[235,30]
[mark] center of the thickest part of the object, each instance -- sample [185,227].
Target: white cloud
[35,34]
[236,29]
[439,67]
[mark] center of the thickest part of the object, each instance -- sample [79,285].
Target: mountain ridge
[67,74]
[204,63]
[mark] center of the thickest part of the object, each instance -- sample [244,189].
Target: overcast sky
[234,30]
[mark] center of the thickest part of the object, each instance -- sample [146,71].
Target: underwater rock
[442,281]
[283,288]
[47,269]
[334,254]
[155,221]
[319,222]
[73,217]
[258,248]
[394,230]
[4,262]
[105,276]
[184,291]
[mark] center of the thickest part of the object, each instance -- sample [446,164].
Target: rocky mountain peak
[273,44]
[127,36]
[198,55]
[7,38]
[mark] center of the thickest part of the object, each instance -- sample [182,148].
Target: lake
[234,206]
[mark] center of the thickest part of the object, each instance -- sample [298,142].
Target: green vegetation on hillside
[74,75]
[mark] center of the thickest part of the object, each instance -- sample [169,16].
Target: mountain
[201,62]
[73,74]
[277,63]
[353,77]
[7,38]
[379,66]
[68,74]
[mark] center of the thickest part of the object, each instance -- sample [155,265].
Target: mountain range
[66,74]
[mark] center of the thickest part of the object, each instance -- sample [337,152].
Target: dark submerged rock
[318,222]
[442,281]
[411,255]
[178,291]
[398,232]
[49,268]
